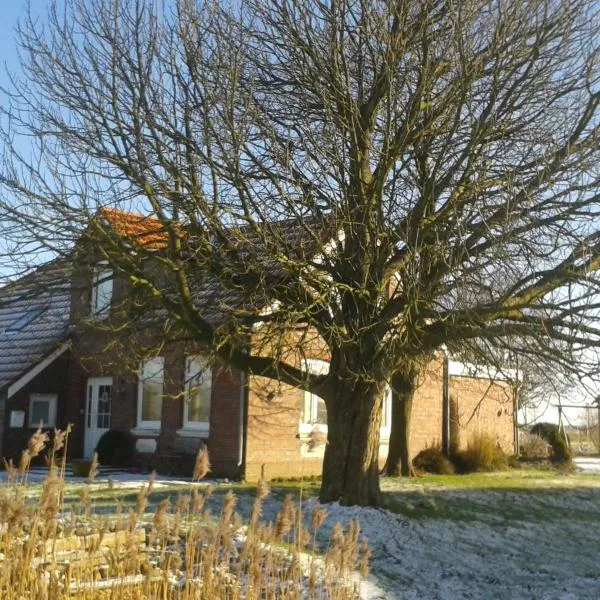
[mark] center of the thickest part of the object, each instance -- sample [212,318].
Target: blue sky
[12,10]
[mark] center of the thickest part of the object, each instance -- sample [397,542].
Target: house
[173,401]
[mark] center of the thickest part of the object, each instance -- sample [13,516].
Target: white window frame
[386,415]
[52,401]
[194,365]
[102,291]
[158,368]
[310,400]
[321,367]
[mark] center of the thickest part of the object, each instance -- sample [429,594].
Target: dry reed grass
[182,552]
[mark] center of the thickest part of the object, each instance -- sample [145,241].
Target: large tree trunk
[351,463]
[404,385]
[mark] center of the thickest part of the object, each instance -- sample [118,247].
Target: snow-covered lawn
[515,535]
[501,536]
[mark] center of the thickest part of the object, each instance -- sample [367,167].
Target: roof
[142,230]
[34,319]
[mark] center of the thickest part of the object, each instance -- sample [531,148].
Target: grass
[507,495]
[531,495]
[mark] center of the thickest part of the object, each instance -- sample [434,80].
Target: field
[515,534]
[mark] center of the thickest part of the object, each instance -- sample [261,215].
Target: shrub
[534,446]
[513,462]
[115,448]
[432,460]
[481,454]
[550,432]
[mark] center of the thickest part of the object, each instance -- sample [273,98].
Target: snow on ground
[117,478]
[588,464]
[537,541]
[503,544]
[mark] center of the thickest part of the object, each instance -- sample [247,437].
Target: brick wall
[484,407]
[100,353]
[273,436]
[274,416]
[273,411]
[274,439]
[427,412]
[223,439]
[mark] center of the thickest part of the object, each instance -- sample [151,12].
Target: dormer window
[102,289]
[25,319]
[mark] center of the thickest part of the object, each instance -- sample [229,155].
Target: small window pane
[89,410]
[321,410]
[104,394]
[40,412]
[25,319]
[151,400]
[102,292]
[151,390]
[198,387]
[199,404]
[314,410]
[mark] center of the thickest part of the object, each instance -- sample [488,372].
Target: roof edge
[36,369]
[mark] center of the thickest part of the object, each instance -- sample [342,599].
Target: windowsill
[142,431]
[194,432]
[98,317]
[304,431]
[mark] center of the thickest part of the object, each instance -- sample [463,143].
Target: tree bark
[351,462]
[403,391]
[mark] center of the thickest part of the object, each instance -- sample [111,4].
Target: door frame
[96,382]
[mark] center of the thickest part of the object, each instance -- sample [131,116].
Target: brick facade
[253,423]
[274,411]
[484,406]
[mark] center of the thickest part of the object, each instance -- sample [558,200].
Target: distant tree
[390,176]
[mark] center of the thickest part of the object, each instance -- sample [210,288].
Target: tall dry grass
[180,551]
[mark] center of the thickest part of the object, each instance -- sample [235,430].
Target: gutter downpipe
[446,402]
[243,423]
[516,410]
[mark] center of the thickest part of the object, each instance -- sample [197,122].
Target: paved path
[588,464]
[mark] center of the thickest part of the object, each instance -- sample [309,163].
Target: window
[314,411]
[17,419]
[102,288]
[42,410]
[150,392]
[25,319]
[198,390]
[386,414]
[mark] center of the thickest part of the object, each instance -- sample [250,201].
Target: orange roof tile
[145,231]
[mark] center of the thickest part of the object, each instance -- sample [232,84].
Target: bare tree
[387,176]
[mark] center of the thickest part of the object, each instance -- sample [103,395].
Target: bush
[534,446]
[550,432]
[547,431]
[115,448]
[482,454]
[432,460]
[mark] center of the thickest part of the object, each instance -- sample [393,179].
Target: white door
[97,414]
